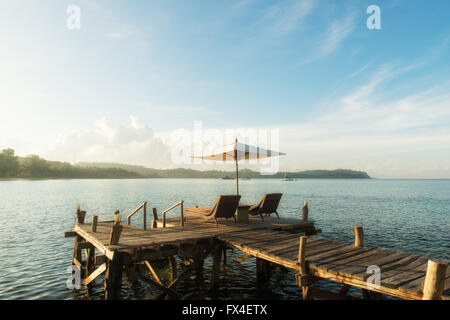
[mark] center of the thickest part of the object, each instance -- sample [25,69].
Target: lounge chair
[267,205]
[225,207]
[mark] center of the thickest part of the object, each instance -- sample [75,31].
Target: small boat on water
[227,178]
[287,178]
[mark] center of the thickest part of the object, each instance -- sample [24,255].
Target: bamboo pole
[434,280]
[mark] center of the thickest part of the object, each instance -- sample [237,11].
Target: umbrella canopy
[238,151]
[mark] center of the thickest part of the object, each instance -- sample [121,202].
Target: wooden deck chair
[267,205]
[225,207]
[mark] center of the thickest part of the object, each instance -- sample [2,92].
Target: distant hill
[34,167]
[244,173]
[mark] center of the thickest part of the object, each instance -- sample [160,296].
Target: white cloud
[367,131]
[357,72]
[331,39]
[108,141]
[284,19]
[337,32]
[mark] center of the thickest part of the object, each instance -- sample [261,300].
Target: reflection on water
[407,215]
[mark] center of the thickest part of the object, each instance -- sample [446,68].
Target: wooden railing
[144,216]
[179,203]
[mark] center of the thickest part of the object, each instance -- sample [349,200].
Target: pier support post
[155,218]
[305,211]
[77,256]
[144,216]
[90,264]
[359,236]
[302,264]
[262,273]
[113,278]
[215,273]
[434,280]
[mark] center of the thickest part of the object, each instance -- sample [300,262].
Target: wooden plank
[153,272]
[316,257]
[397,277]
[69,234]
[283,262]
[347,255]
[77,263]
[95,242]
[398,260]
[293,244]
[310,250]
[95,274]
[242,258]
[362,284]
[414,287]
[337,263]
[358,268]
[136,275]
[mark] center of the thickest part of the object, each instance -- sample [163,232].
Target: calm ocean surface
[407,215]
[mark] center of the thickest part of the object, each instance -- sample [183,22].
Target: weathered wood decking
[402,274]
[270,241]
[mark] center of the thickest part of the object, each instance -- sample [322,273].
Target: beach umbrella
[239,151]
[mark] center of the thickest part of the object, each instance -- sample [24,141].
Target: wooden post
[305,211]
[77,256]
[182,214]
[301,254]
[113,277]
[359,236]
[80,215]
[155,218]
[434,280]
[94,223]
[224,256]
[114,236]
[117,217]
[90,265]
[173,269]
[262,273]
[215,272]
[302,263]
[144,216]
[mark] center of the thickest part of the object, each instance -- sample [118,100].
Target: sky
[336,93]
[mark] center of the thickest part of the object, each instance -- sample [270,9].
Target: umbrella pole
[237,172]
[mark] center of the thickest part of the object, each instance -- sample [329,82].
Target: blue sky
[341,95]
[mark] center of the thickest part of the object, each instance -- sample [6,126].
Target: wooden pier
[290,243]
